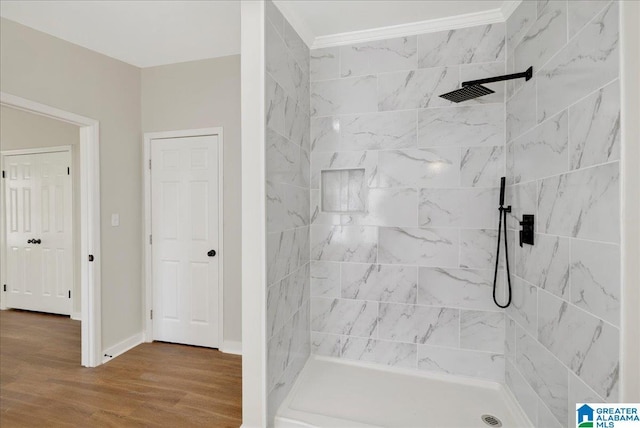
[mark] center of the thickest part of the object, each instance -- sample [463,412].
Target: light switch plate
[115,220]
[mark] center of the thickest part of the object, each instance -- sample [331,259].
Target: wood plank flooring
[155,384]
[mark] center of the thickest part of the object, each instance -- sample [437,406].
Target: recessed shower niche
[343,191]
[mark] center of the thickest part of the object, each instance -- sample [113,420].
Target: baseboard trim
[122,347]
[231,347]
[76,316]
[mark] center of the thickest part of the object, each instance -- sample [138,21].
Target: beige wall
[22,130]
[204,94]
[45,69]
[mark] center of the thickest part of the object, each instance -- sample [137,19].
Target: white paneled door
[184,226]
[38,215]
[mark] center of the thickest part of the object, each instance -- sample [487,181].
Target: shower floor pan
[333,393]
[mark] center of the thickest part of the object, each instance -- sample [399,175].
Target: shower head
[467,93]
[474,89]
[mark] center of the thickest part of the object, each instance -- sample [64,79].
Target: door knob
[211,253]
[37,241]
[30,241]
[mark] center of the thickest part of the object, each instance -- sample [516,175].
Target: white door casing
[39,236]
[185,228]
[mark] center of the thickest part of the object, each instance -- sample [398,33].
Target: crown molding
[492,16]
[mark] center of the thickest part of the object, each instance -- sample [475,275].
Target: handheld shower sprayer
[502,210]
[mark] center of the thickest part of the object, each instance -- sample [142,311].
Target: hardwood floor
[155,384]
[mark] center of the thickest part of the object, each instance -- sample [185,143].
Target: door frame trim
[38,151]
[147,322]
[90,278]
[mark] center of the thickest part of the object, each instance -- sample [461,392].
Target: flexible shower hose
[503,214]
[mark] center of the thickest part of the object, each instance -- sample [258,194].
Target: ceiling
[141,33]
[147,33]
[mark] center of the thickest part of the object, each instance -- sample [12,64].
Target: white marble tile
[321,161]
[327,345]
[344,191]
[296,121]
[404,90]
[482,166]
[595,278]
[297,47]
[287,206]
[325,279]
[344,243]
[547,419]
[325,134]
[482,331]
[284,161]
[579,392]
[582,204]
[582,12]
[510,339]
[344,96]
[586,63]
[424,247]
[521,110]
[478,248]
[379,56]
[481,71]
[275,16]
[523,199]
[419,324]
[384,283]
[526,396]
[542,4]
[274,102]
[283,386]
[285,298]
[437,167]
[344,316]
[546,375]
[387,207]
[279,62]
[543,151]
[325,64]
[468,208]
[380,351]
[483,365]
[545,37]
[594,128]
[524,305]
[283,254]
[483,43]
[458,288]
[481,125]
[519,23]
[545,264]
[322,217]
[586,344]
[378,131]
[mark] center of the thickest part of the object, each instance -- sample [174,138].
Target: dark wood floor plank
[154,384]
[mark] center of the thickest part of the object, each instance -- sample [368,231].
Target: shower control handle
[527,231]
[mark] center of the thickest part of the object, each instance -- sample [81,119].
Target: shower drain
[491,420]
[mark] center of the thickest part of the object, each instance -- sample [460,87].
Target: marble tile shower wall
[407,280]
[287,206]
[563,152]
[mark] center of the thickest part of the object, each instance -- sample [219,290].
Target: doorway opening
[88,256]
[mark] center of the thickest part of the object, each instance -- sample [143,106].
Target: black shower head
[474,89]
[467,93]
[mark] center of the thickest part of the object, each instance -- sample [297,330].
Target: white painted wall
[206,94]
[42,68]
[23,130]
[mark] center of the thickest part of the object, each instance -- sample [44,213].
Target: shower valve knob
[527,232]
